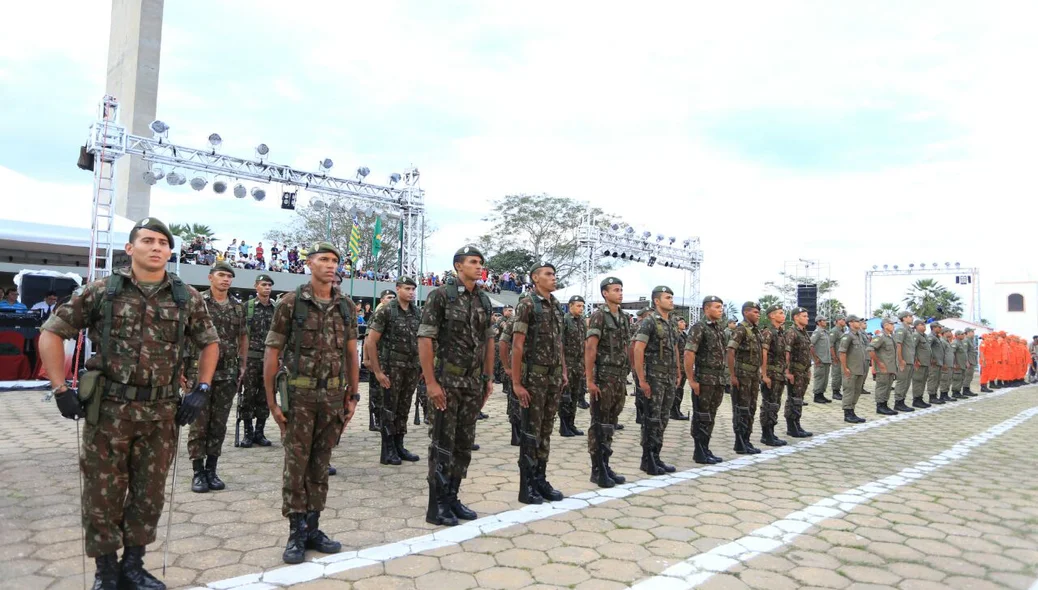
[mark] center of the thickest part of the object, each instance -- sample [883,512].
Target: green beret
[406,280]
[904,314]
[798,310]
[661,289]
[222,266]
[644,311]
[154,224]
[539,265]
[919,323]
[772,308]
[468,251]
[711,299]
[610,281]
[386,292]
[576,299]
[853,318]
[321,247]
[751,305]
[264,279]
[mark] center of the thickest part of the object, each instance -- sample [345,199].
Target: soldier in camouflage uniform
[773,368]
[538,377]
[455,345]
[639,397]
[822,359]
[655,357]
[679,392]
[606,365]
[836,373]
[205,438]
[732,324]
[744,371]
[315,328]
[504,347]
[500,361]
[259,312]
[391,345]
[798,376]
[921,365]
[375,394]
[574,331]
[704,364]
[904,346]
[139,320]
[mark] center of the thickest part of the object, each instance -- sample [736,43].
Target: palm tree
[731,312]
[927,298]
[831,308]
[768,300]
[188,231]
[886,310]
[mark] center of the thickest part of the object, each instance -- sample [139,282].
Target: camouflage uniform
[798,344]
[679,391]
[126,454]
[610,374]
[506,386]
[205,438]
[540,320]
[254,397]
[574,332]
[773,340]
[707,341]
[661,340]
[398,358]
[746,342]
[316,408]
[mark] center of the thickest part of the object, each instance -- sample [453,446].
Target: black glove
[68,404]
[191,405]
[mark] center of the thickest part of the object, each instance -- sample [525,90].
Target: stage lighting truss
[963,276]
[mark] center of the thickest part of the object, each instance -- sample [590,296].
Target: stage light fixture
[159,128]
[614,254]
[198,183]
[288,200]
[239,191]
[362,172]
[258,193]
[652,261]
[673,239]
[629,230]
[615,226]
[956,265]
[686,243]
[659,237]
[935,265]
[646,234]
[394,178]
[262,150]
[875,267]
[215,140]
[219,186]
[911,265]
[325,165]
[153,175]
[947,265]
[175,178]
[623,256]
[895,267]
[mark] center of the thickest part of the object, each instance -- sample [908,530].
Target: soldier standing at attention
[959,368]
[948,353]
[316,329]
[904,345]
[836,373]
[139,319]
[933,379]
[375,394]
[504,352]
[822,359]
[655,356]
[921,369]
[853,365]
[744,361]
[639,396]
[884,361]
[773,368]
[499,361]
[456,348]
[259,313]
[538,377]
[704,364]
[391,345]
[679,391]
[205,438]
[798,363]
[606,365]
[574,331]
[732,323]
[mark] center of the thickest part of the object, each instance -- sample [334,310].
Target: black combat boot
[457,508]
[699,452]
[482,416]
[675,410]
[107,575]
[527,492]
[801,433]
[564,427]
[332,470]
[917,402]
[985,389]
[133,574]
[295,548]
[957,395]
[215,483]
[791,426]
[199,483]
[573,427]
[315,537]
[946,398]
[599,473]
[767,436]
[664,466]
[258,437]
[648,464]
[900,406]
[439,510]
[850,416]
[582,401]
[515,434]
[837,395]
[247,434]
[885,410]
[821,399]
[619,479]
[936,400]
[403,453]
[388,455]
[543,486]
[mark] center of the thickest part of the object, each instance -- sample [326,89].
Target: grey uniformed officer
[971,362]
[948,354]
[904,350]
[921,367]
[822,359]
[933,380]
[884,361]
[853,366]
[836,373]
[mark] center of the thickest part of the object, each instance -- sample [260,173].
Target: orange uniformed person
[987,355]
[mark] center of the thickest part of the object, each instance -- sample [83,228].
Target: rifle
[237,417]
[417,402]
[442,456]
[527,440]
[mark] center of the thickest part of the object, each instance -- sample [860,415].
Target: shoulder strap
[181,296]
[299,313]
[487,307]
[113,285]
[344,309]
[250,310]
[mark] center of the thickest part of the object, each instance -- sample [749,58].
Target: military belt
[749,367]
[458,370]
[255,354]
[555,371]
[718,372]
[620,371]
[798,367]
[314,383]
[133,393]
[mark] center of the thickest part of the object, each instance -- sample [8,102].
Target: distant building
[1016,307]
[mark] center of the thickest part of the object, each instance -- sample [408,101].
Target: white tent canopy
[635,284]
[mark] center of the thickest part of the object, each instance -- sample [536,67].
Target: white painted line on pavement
[700,568]
[333,564]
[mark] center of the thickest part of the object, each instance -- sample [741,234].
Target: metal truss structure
[109,141]
[625,243]
[970,276]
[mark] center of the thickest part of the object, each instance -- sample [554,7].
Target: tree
[542,225]
[188,231]
[927,298]
[831,308]
[985,323]
[731,312]
[519,261]
[787,287]
[767,301]
[886,310]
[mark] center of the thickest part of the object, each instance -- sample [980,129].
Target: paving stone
[870,575]
[503,578]
[385,583]
[521,558]
[560,574]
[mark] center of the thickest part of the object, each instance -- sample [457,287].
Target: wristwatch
[484,377]
[355,397]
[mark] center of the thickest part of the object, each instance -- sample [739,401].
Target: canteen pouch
[89,396]
[281,388]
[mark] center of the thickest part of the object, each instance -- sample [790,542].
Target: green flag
[376,242]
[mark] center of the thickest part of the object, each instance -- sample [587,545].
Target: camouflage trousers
[904,381]
[396,401]
[513,401]
[605,411]
[452,432]
[770,402]
[795,397]
[933,380]
[375,398]
[545,394]
[206,434]
[656,410]
[820,377]
[920,376]
[254,395]
[315,421]
[124,462]
[704,408]
[744,400]
[571,393]
[836,376]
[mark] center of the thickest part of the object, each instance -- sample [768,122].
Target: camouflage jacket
[322,338]
[505,331]
[661,343]
[682,341]
[258,326]
[461,328]
[773,340]
[229,319]
[398,346]
[144,348]
[543,349]
[798,343]
[613,333]
[707,341]
[574,332]
[746,340]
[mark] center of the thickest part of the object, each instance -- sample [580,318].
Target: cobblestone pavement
[946,498]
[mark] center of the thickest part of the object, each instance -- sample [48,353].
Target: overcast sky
[852,133]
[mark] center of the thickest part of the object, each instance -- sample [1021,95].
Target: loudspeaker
[807,297]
